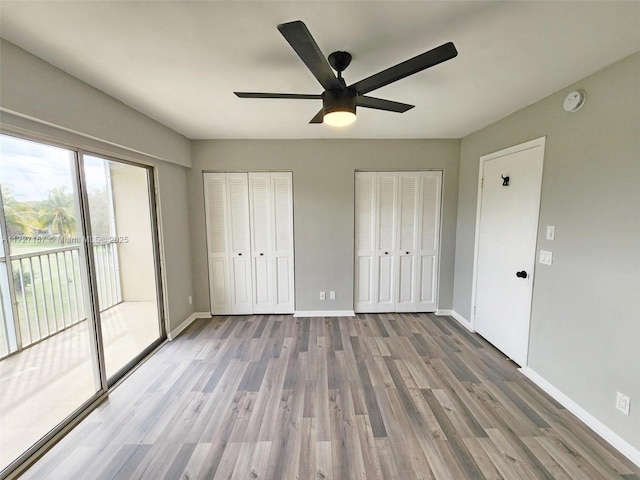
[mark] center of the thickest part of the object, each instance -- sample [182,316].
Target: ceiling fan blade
[297,96]
[318,118]
[300,39]
[381,104]
[409,67]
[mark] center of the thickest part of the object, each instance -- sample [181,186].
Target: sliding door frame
[25,460]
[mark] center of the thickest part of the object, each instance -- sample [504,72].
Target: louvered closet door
[365,233]
[397,235]
[260,200]
[387,211]
[282,228]
[429,245]
[239,243]
[215,194]
[408,228]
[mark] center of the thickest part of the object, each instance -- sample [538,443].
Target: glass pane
[123,249]
[48,367]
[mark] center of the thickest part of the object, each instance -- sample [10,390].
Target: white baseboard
[593,423]
[460,319]
[178,330]
[325,313]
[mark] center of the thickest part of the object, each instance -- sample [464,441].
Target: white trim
[456,316]
[325,313]
[180,328]
[596,425]
[536,143]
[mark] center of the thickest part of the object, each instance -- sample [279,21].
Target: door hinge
[474,310]
[482,182]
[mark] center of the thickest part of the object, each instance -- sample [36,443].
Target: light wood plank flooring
[394,396]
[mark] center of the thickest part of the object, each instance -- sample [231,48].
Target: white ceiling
[179,62]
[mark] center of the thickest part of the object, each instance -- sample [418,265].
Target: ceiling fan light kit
[339,101]
[338,107]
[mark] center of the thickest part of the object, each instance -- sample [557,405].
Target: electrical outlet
[332,295]
[622,403]
[322,296]
[546,258]
[190,299]
[551,232]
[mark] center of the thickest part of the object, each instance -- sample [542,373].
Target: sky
[33,169]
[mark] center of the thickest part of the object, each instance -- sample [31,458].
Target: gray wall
[323,184]
[585,325]
[36,89]
[41,101]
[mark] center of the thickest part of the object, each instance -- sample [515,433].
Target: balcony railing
[49,293]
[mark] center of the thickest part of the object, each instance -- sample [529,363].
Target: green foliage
[26,280]
[57,213]
[21,217]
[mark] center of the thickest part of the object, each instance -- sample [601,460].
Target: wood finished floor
[394,396]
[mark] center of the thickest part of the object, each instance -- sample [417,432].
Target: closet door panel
[430,202]
[282,224]
[408,228]
[365,238]
[239,242]
[387,209]
[218,255]
[261,241]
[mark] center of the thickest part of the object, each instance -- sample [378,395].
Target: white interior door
[215,194]
[282,247]
[239,243]
[507,232]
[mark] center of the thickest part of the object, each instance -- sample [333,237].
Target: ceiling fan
[339,101]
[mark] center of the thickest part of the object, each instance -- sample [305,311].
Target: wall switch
[622,403]
[190,299]
[551,232]
[322,296]
[332,295]
[546,258]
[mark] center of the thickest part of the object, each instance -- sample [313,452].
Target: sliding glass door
[80,299]
[124,247]
[49,364]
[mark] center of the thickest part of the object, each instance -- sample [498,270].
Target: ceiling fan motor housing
[339,101]
[339,60]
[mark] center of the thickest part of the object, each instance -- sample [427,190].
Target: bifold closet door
[249,218]
[397,241]
[227,220]
[271,217]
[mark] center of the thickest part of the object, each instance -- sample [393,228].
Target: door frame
[536,143]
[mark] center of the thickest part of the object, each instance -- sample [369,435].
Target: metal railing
[50,293]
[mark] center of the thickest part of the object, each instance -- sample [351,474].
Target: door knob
[261,254]
[407,253]
[521,274]
[239,254]
[386,253]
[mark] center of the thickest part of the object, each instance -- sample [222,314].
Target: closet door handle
[386,253]
[239,254]
[407,253]
[261,254]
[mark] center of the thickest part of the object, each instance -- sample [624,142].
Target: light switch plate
[332,295]
[551,232]
[546,258]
